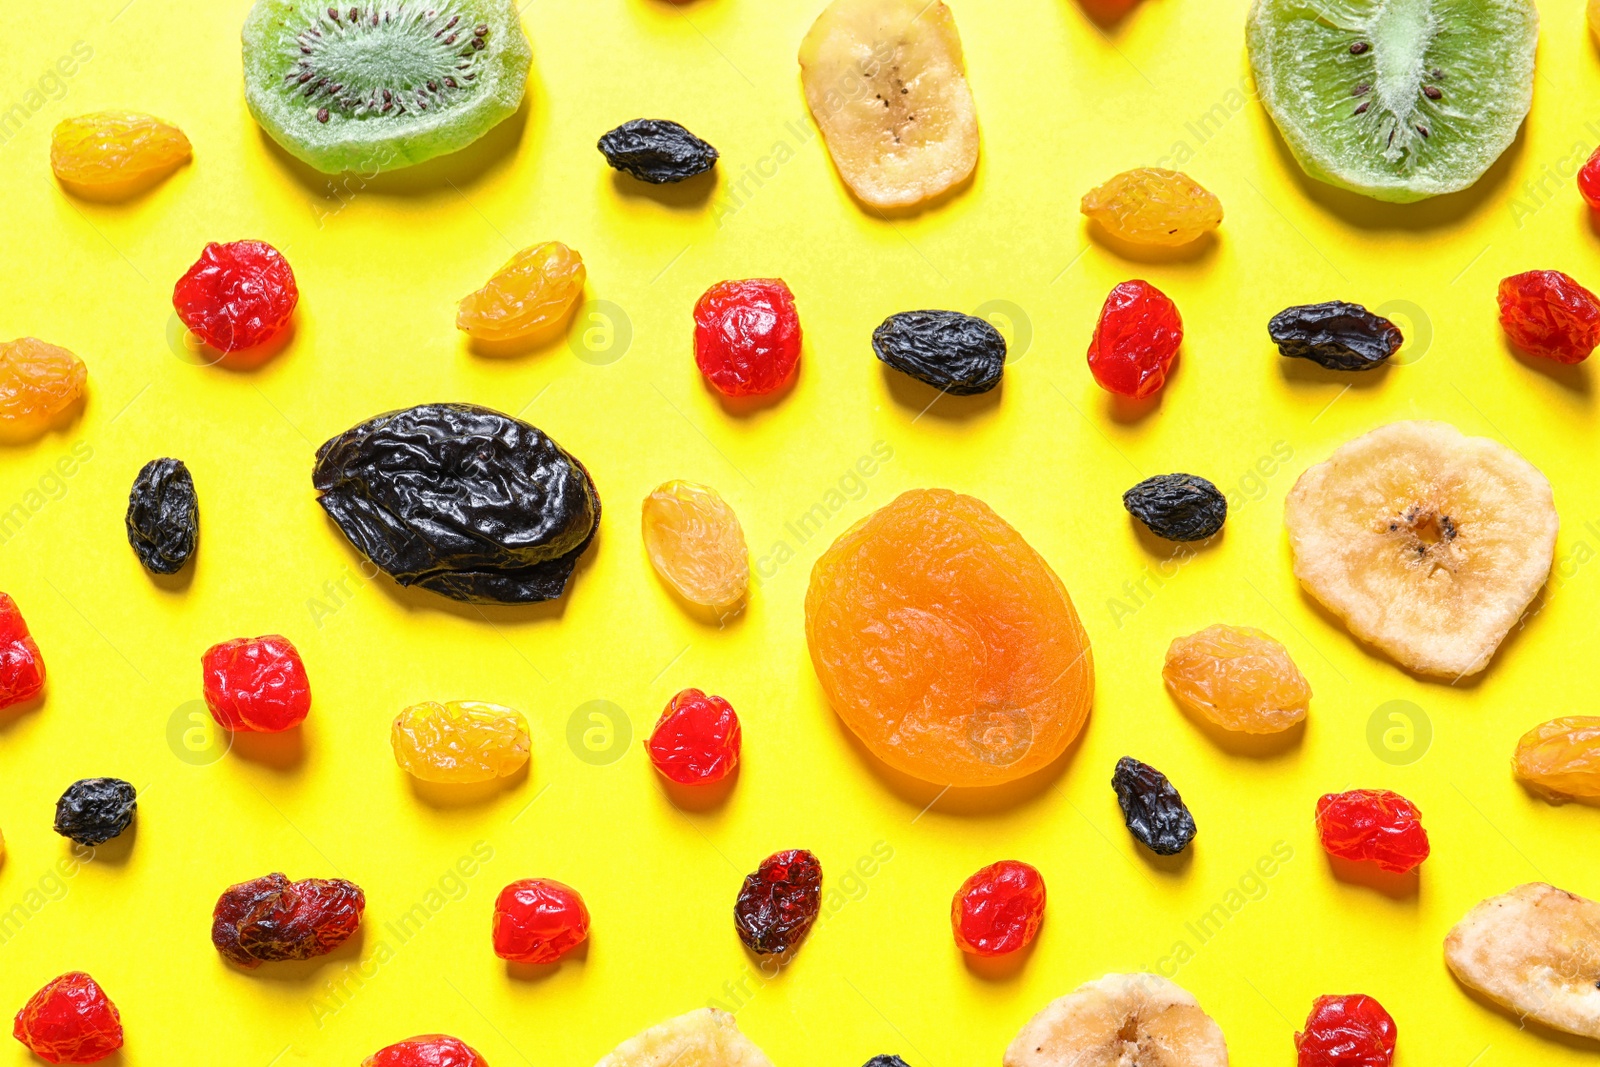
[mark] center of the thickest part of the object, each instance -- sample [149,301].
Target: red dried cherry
[1589,181]
[538,920]
[256,685]
[70,1020]
[747,336]
[696,740]
[780,902]
[21,665]
[1351,1031]
[428,1050]
[1136,340]
[999,909]
[1547,313]
[237,295]
[1373,826]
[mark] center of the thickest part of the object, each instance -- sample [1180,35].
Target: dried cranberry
[70,1020]
[237,295]
[999,909]
[747,336]
[1351,1031]
[696,740]
[1589,181]
[272,919]
[256,685]
[1373,826]
[538,920]
[21,665]
[428,1050]
[1546,313]
[778,904]
[1136,340]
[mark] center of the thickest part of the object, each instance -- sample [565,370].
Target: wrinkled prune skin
[1152,808]
[957,354]
[886,1061]
[94,810]
[1336,335]
[1178,507]
[461,500]
[271,918]
[163,516]
[657,151]
[778,904]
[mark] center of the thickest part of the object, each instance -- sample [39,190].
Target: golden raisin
[461,741]
[696,544]
[1560,759]
[116,152]
[37,381]
[1152,206]
[1238,678]
[531,294]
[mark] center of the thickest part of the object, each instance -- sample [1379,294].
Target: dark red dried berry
[779,902]
[1546,313]
[747,336]
[237,295]
[1136,340]
[1373,826]
[272,918]
[70,1020]
[1351,1031]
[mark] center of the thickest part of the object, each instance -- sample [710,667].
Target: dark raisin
[657,151]
[955,353]
[1178,507]
[94,810]
[163,516]
[1152,808]
[464,501]
[272,918]
[1336,335]
[886,1061]
[778,904]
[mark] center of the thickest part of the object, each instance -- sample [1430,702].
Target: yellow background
[1064,103]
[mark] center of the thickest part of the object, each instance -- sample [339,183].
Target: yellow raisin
[111,151]
[37,380]
[532,293]
[461,741]
[696,544]
[1152,206]
[1238,678]
[1560,759]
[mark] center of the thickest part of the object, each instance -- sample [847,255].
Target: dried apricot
[1153,206]
[532,293]
[38,381]
[1238,678]
[460,742]
[1560,759]
[696,544]
[116,153]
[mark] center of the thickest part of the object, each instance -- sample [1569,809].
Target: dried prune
[21,664]
[94,810]
[163,516]
[697,739]
[957,354]
[886,1061]
[1349,1031]
[538,920]
[1373,826]
[1336,335]
[70,1020]
[427,1050]
[657,151]
[256,685]
[1152,808]
[778,903]
[1178,507]
[271,918]
[461,500]
[998,910]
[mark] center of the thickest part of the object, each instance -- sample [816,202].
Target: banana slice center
[1426,537]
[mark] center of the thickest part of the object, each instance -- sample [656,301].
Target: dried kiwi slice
[1396,99]
[382,84]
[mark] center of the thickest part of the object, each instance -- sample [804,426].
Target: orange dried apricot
[1238,678]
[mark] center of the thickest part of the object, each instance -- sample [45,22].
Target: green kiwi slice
[382,84]
[1396,99]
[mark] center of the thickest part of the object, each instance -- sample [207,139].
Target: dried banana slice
[887,84]
[1535,951]
[704,1038]
[1119,1020]
[1428,543]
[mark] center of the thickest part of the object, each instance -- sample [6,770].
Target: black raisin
[657,151]
[464,501]
[955,353]
[1152,808]
[1336,335]
[163,516]
[94,810]
[886,1061]
[1178,507]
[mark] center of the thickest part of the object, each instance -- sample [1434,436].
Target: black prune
[1178,507]
[163,516]
[955,353]
[1336,335]
[462,500]
[94,810]
[1152,808]
[886,1061]
[657,151]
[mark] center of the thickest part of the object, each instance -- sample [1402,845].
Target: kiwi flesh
[382,84]
[1396,99]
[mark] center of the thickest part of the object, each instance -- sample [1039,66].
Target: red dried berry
[256,685]
[747,336]
[999,909]
[779,903]
[237,295]
[1373,826]
[428,1050]
[21,665]
[1589,181]
[70,1020]
[696,740]
[272,919]
[538,920]
[1136,340]
[1546,313]
[1351,1031]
